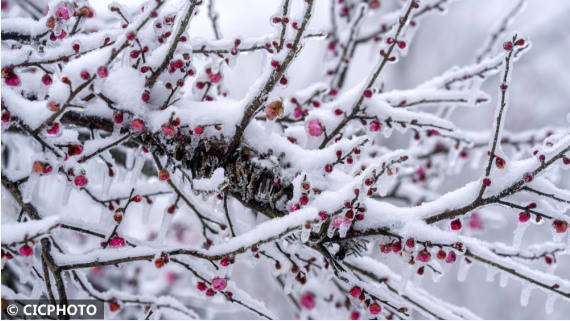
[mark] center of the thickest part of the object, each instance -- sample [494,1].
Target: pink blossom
[374,126]
[12,80]
[375,308]
[80,180]
[307,301]
[214,78]
[62,35]
[62,13]
[117,242]
[219,284]
[423,256]
[355,291]
[168,130]
[137,125]
[26,250]
[475,222]
[102,72]
[297,113]
[315,128]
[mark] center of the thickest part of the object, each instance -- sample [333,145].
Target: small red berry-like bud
[527,177]
[355,315]
[402,44]
[26,250]
[145,96]
[118,215]
[410,242]
[423,256]
[548,259]
[74,149]
[508,46]
[118,117]
[375,126]
[307,301]
[355,291]
[163,175]
[201,286]
[441,254]
[116,242]
[54,130]
[389,40]
[84,75]
[560,226]
[137,198]
[80,180]
[456,224]
[520,42]
[542,158]
[210,292]
[46,79]
[375,308]
[500,162]
[328,168]
[566,160]
[304,200]
[504,87]
[38,167]
[114,306]
[338,112]
[486,182]
[368,93]
[199,130]
[158,263]
[421,270]
[451,257]
[102,72]
[531,205]
[524,216]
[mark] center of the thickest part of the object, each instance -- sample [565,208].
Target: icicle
[436,276]
[463,270]
[29,187]
[550,300]
[137,167]
[305,233]
[491,272]
[503,279]
[66,193]
[405,278]
[103,217]
[452,156]
[106,186]
[518,234]
[525,295]
[146,212]
[387,131]
[288,287]
[166,219]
